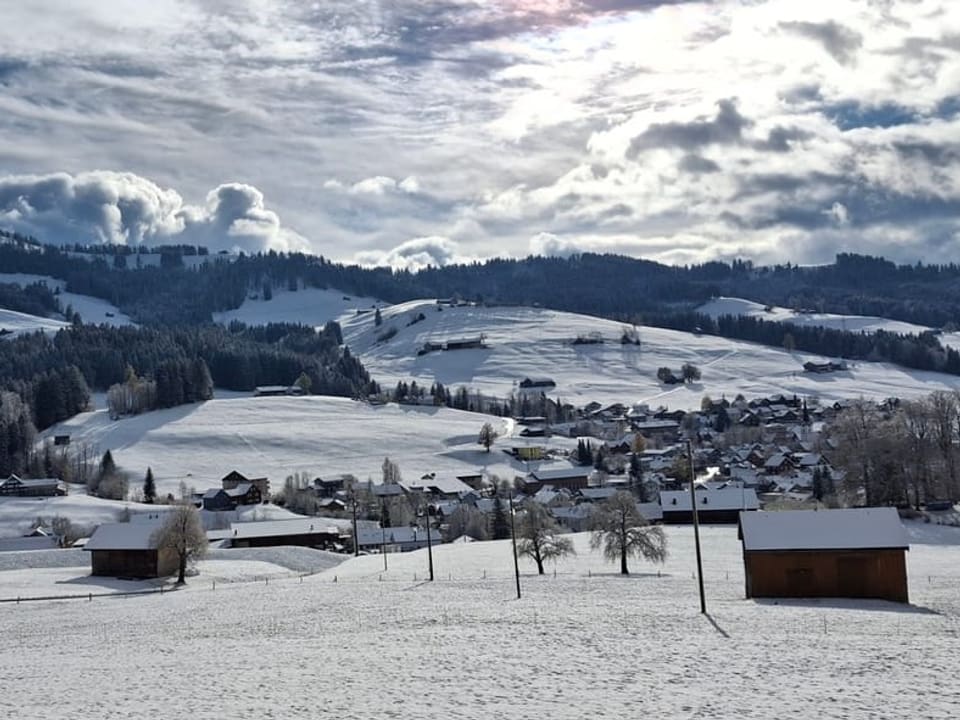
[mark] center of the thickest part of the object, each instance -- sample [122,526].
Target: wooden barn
[714,505]
[856,553]
[318,532]
[128,550]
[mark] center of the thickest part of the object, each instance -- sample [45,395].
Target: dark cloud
[781,139]
[839,41]
[851,114]
[697,165]
[724,129]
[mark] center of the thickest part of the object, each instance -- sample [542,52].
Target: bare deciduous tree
[538,537]
[183,533]
[487,436]
[621,531]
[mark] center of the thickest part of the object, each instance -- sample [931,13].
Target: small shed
[129,550]
[854,553]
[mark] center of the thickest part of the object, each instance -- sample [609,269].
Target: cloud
[126,209]
[414,254]
[725,128]
[839,41]
[549,245]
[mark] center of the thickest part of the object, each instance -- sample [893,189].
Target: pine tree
[500,524]
[377,318]
[149,488]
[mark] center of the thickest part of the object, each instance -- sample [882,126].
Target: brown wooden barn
[128,550]
[317,532]
[855,553]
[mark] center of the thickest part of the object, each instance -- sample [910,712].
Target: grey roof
[729,498]
[561,473]
[280,528]
[123,536]
[851,529]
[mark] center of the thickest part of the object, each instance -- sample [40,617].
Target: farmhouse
[534,383]
[234,480]
[41,487]
[277,390]
[855,553]
[307,532]
[128,550]
[395,539]
[721,505]
[571,478]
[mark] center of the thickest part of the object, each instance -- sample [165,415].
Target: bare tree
[538,537]
[487,436]
[183,533]
[621,531]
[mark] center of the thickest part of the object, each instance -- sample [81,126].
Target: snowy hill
[525,342]
[16,322]
[308,306]
[277,436]
[92,310]
[850,323]
[581,643]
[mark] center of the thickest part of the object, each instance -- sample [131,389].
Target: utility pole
[356,539]
[696,529]
[383,546]
[513,537]
[426,515]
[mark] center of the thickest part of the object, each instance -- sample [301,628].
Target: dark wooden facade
[320,540]
[134,563]
[719,516]
[877,574]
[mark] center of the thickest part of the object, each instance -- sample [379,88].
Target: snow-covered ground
[18,322]
[535,342]
[309,306]
[278,436]
[93,311]
[851,323]
[358,642]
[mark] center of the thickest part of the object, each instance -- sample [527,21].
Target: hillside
[278,436]
[309,306]
[850,323]
[525,342]
[584,642]
[17,322]
[92,310]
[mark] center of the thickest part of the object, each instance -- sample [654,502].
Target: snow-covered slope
[536,342]
[18,322]
[277,436]
[92,310]
[851,323]
[309,306]
[583,643]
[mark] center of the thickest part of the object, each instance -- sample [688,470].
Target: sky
[438,131]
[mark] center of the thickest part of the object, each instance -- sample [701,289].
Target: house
[39,487]
[395,539]
[537,383]
[826,367]
[277,390]
[465,344]
[234,479]
[315,532]
[437,486]
[244,494]
[571,478]
[778,463]
[61,440]
[574,519]
[721,505]
[129,550]
[217,499]
[854,553]
[663,430]
[30,542]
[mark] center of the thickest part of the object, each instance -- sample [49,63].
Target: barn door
[852,576]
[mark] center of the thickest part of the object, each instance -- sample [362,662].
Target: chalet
[537,383]
[277,390]
[61,440]
[129,550]
[571,478]
[39,487]
[329,487]
[465,344]
[821,368]
[235,479]
[217,499]
[777,464]
[316,532]
[662,430]
[245,494]
[722,505]
[855,553]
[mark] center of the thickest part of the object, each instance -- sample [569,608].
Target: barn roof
[282,528]
[123,536]
[851,529]
[728,498]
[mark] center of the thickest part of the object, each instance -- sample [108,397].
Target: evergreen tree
[500,524]
[149,488]
[377,318]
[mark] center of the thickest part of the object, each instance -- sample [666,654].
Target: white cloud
[415,254]
[123,208]
[735,131]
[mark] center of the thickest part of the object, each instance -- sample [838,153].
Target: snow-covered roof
[442,484]
[123,536]
[561,473]
[852,529]
[728,498]
[279,528]
[39,542]
[394,535]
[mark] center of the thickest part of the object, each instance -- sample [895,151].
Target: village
[779,457]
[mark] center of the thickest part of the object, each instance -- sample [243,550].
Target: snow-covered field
[18,322]
[851,323]
[93,311]
[278,436]
[357,642]
[535,342]
[309,306]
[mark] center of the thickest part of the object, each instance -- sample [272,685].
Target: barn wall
[124,563]
[314,540]
[879,574]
